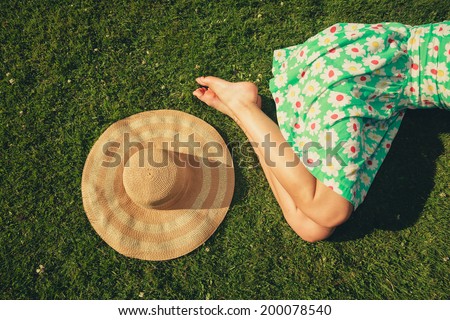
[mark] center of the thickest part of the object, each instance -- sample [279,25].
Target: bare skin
[311,209]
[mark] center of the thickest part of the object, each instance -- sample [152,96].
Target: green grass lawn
[69,69]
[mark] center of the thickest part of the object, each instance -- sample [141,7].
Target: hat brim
[149,233]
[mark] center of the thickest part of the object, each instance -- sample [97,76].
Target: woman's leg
[239,100]
[307,229]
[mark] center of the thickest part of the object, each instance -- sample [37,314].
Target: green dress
[341,95]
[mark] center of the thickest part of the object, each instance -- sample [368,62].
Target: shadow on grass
[403,184]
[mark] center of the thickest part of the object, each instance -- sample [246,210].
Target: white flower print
[372,164]
[338,99]
[383,84]
[392,133]
[280,80]
[442,30]
[388,106]
[328,138]
[317,66]
[333,116]
[311,88]
[301,141]
[314,126]
[301,54]
[447,51]
[292,93]
[374,137]
[351,171]
[433,47]
[334,53]
[356,93]
[313,110]
[414,41]
[352,67]
[398,73]
[326,39]
[386,97]
[353,27]
[351,148]
[278,98]
[412,89]
[330,74]
[375,44]
[355,50]
[331,167]
[378,28]
[363,79]
[299,102]
[440,72]
[313,57]
[353,127]
[428,87]
[370,109]
[356,112]
[379,72]
[391,41]
[333,185]
[298,125]
[364,179]
[374,62]
[280,55]
[311,158]
[303,74]
[401,31]
[333,29]
[353,35]
[421,31]
[285,134]
[282,117]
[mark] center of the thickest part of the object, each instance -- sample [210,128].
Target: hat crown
[152,179]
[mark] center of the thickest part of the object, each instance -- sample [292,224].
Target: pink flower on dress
[378,28]
[362,79]
[313,127]
[351,148]
[355,50]
[333,115]
[330,74]
[442,30]
[299,102]
[333,185]
[353,127]
[372,164]
[433,47]
[301,54]
[334,53]
[278,98]
[338,99]
[374,62]
[298,126]
[333,29]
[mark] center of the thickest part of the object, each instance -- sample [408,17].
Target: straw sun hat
[157,185]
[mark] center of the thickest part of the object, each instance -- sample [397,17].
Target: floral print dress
[341,95]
